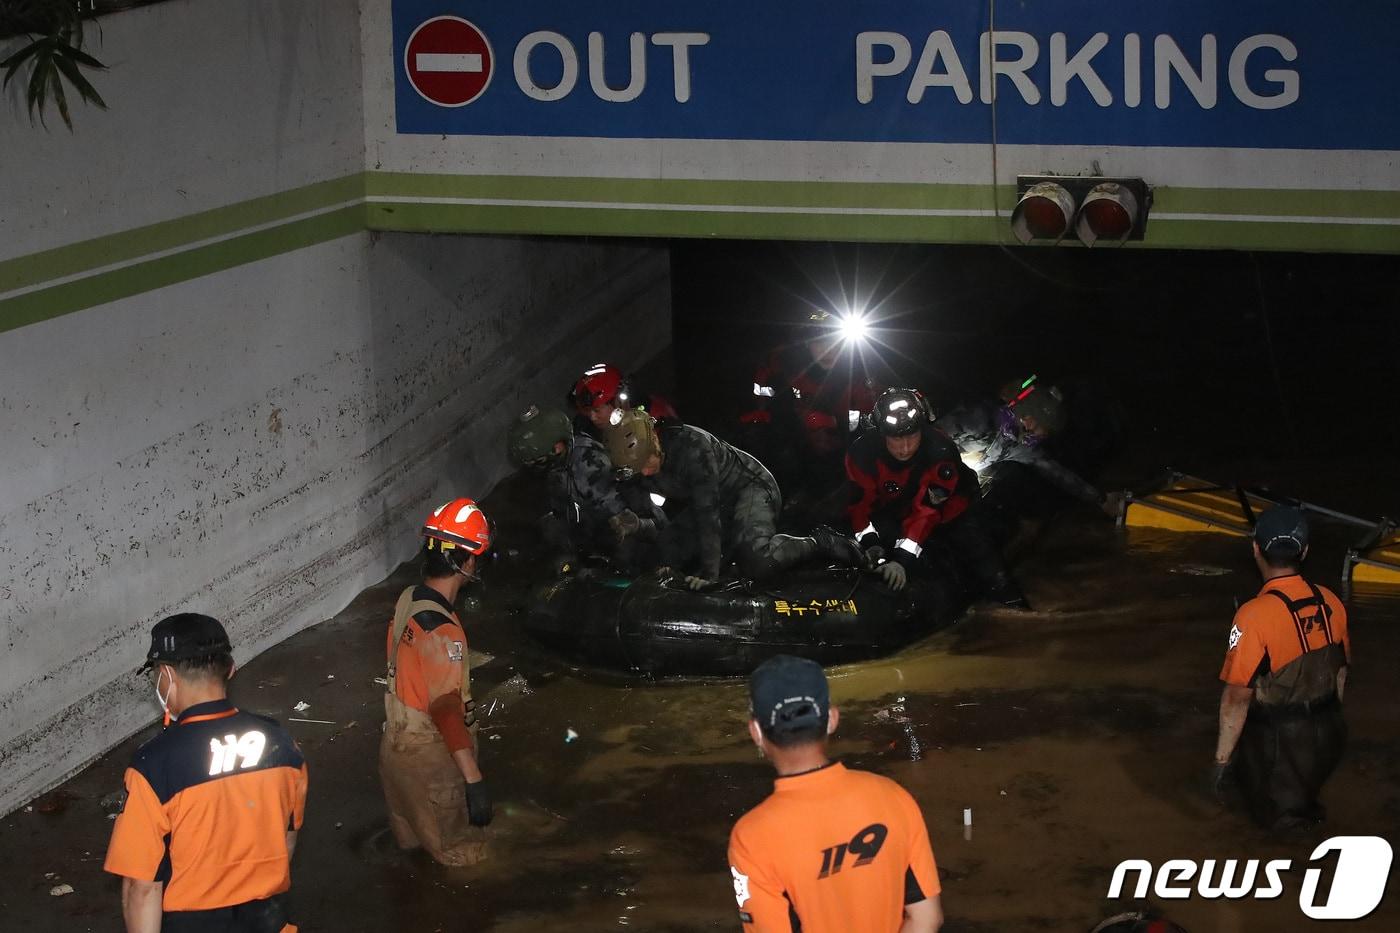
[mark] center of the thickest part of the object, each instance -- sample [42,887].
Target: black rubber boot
[1006,592]
[787,551]
[840,548]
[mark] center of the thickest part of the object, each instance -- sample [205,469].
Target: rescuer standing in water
[433,784]
[213,804]
[1281,726]
[832,850]
[726,502]
[907,483]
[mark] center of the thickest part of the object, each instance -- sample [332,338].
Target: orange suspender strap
[404,610]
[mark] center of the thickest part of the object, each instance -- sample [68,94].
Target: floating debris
[569,736]
[302,706]
[1201,570]
[59,890]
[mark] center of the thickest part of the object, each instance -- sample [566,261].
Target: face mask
[164,701]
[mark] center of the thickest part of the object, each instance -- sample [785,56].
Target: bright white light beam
[854,328]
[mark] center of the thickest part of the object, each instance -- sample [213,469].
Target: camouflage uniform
[988,433]
[728,504]
[582,497]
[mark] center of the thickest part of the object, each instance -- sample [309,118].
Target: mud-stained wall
[218,391]
[261,444]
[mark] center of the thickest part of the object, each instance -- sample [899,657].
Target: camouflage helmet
[533,436]
[631,438]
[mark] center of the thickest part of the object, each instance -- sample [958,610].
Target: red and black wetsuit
[897,504]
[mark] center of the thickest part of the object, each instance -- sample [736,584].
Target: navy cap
[1282,531]
[789,694]
[184,637]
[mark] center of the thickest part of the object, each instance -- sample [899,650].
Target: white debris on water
[59,890]
[302,706]
[1201,570]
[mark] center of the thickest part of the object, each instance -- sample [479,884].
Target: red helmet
[458,524]
[600,385]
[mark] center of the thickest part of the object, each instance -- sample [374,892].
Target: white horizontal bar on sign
[691,208]
[466,62]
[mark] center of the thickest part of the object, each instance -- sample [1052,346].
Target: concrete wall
[218,391]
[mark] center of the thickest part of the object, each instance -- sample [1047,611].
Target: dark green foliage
[50,35]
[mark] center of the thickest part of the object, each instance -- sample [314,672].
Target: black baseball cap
[789,694]
[1282,531]
[184,637]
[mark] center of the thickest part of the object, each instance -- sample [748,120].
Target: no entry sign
[448,61]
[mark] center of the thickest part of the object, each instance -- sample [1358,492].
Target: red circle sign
[448,61]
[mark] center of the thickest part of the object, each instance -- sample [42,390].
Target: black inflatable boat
[647,626]
[831,615]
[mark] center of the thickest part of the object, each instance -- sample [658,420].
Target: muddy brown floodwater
[1078,735]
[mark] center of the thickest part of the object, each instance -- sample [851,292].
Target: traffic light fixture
[1092,209]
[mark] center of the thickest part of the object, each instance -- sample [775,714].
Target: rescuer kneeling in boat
[907,484]
[726,503]
[589,512]
[1015,430]
[428,757]
[1281,726]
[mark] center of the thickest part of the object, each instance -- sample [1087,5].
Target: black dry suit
[722,505]
[987,434]
[1295,734]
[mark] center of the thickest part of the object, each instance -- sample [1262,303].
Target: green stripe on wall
[104,287]
[417,203]
[558,221]
[684,191]
[171,234]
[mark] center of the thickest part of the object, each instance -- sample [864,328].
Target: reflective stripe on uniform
[909,545]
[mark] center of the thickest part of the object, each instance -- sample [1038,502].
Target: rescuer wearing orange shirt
[832,850]
[213,804]
[1281,726]
[433,785]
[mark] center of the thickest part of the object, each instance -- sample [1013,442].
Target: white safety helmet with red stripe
[459,530]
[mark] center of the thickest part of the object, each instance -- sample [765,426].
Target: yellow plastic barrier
[1189,503]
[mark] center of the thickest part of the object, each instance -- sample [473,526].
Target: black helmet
[534,435]
[901,411]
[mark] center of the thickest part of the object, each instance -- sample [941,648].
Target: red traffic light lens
[1108,219]
[1044,218]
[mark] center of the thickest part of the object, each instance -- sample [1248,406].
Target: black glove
[1215,783]
[478,804]
[625,523]
[873,556]
[893,575]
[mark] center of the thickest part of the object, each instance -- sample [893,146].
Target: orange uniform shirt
[1264,637]
[831,851]
[209,803]
[432,654]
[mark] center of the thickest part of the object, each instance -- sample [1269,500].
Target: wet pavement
[1078,735]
